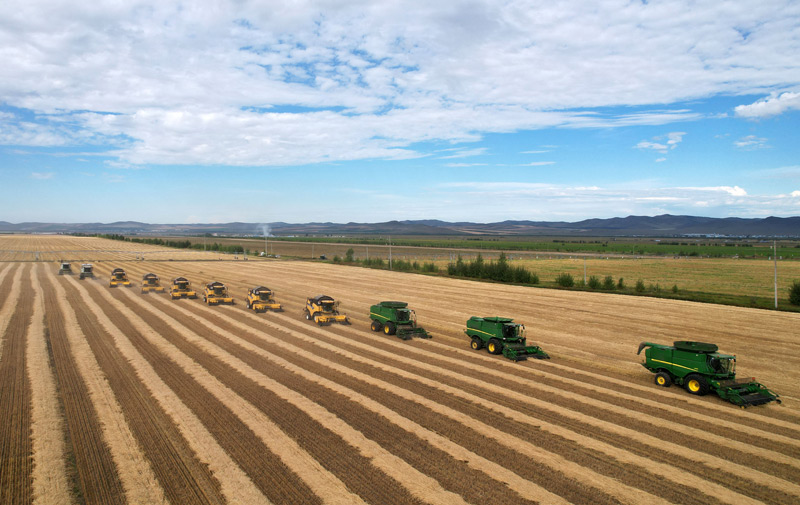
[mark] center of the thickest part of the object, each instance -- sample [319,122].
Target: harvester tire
[308,315]
[247,303]
[389,328]
[375,326]
[494,346]
[476,344]
[696,385]
[663,379]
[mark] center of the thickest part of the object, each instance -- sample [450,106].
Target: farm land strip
[260,408]
[128,464]
[234,484]
[50,481]
[183,478]
[16,464]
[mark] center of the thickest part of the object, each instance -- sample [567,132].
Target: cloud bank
[244,83]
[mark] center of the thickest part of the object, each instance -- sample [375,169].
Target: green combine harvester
[700,369]
[501,335]
[395,318]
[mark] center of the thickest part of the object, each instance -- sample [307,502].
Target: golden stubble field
[728,276]
[111,396]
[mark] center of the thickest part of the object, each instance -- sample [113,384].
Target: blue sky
[477,110]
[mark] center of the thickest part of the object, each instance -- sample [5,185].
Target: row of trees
[498,270]
[400,265]
[178,244]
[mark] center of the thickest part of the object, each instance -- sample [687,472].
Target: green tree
[565,280]
[794,293]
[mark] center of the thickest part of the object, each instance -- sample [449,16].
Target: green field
[715,248]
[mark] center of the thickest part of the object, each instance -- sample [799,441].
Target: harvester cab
[150,282]
[65,269]
[501,335]
[395,318]
[216,293]
[87,271]
[261,298]
[701,369]
[119,278]
[181,288]
[324,309]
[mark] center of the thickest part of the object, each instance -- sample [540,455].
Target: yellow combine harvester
[324,309]
[150,282]
[181,288]
[119,278]
[216,293]
[261,298]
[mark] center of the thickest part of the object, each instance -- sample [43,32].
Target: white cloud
[534,152]
[772,105]
[731,190]
[42,176]
[538,163]
[652,145]
[795,194]
[237,83]
[672,141]
[751,142]
[660,160]
[465,153]
[458,165]
[486,201]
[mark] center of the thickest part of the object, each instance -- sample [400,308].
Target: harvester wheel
[663,379]
[308,315]
[494,346]
[375,326]
[696,384]
[389,328]
[317,320]
[476,343]
[247,303]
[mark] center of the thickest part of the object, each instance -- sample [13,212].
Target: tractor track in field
[51,484]
[12,288]
[380,420]
[110,466]
[310,349]
[206,401]
[428,490]
[234,484]
[747,489]
[368,418]
[183,478]
[16,464]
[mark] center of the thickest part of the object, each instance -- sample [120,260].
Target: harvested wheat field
[111,396]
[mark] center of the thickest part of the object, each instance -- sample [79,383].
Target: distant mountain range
[664,225]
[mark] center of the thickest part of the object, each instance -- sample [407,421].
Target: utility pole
[775,257]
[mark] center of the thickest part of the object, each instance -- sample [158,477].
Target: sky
[364,111]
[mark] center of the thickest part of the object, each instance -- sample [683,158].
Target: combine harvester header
[700,369]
